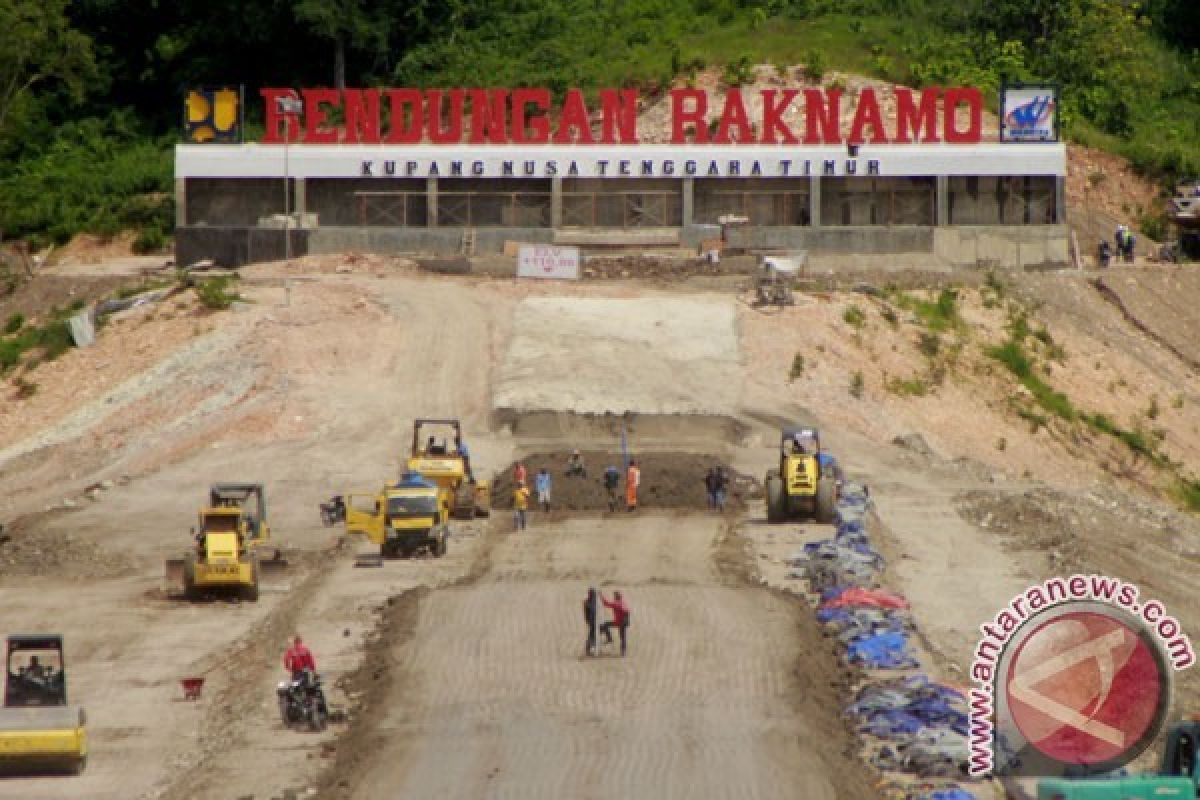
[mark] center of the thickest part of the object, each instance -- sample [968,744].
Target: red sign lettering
[530,116]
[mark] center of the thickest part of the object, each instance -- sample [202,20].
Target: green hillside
[90,90]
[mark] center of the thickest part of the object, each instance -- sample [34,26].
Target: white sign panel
[545,261]
[1029,114]
[642,161]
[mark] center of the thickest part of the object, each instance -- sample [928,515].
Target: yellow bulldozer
[446,462]
[232,536]
[403,518]
[39,731]
[805,483]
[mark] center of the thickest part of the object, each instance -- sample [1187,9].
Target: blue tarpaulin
[885,651]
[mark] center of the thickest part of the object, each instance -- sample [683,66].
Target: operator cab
[34,674]
[1179,756]
[799,442]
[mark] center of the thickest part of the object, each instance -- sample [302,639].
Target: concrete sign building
[508,174]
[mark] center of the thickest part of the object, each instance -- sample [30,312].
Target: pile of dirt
[669,480]
[650,266]
[29,547]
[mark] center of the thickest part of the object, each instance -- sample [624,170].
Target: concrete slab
[647,355]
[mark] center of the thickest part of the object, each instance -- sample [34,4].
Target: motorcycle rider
[300,664]
[299,658]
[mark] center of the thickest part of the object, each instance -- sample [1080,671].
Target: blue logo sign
[1029,115]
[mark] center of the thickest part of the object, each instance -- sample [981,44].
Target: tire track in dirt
[236,694]
[1114,297]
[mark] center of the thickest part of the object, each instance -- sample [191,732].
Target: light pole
[287,105]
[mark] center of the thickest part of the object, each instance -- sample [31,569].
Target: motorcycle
[333,511]
[302,702]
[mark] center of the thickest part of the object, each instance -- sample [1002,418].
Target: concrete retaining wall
[1014,247]
[236,246]
[438,241]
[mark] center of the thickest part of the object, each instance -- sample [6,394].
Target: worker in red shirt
[620,612]
[299,658]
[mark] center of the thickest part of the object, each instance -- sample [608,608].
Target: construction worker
[612,479]
[590,611]
[620,620]
[633,479]
[461,447]
[575,467]
[722,484]
[541,483]
[299,658]
[520,505]
[710,486]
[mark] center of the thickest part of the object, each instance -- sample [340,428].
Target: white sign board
[547,261]
[638,161]
[1029,114]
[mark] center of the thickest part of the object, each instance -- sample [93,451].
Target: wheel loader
[444,461]
[402,518]
[39,731]
[1178,776]
[230,540]
[805,483]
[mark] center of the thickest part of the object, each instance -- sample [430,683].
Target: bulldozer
[407,516]
[232,535]
[39,731]
[445,462]
[805,483]
[1178,776]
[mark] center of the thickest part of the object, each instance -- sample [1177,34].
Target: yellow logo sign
[213,115]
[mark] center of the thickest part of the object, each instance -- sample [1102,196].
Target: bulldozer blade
[368,559]
[174,574]
[272,568]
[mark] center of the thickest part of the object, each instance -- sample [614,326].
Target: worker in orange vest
[633,479]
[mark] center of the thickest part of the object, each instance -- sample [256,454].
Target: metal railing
[623,209]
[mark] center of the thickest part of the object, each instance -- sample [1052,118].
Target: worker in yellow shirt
[520,505]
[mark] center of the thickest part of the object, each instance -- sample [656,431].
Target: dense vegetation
[90,90]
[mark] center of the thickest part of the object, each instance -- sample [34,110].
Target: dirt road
[476,687]
[720,696]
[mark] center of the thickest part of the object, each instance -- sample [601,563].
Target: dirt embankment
[1110,533]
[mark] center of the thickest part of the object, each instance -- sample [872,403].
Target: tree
[348,23]
[39,46]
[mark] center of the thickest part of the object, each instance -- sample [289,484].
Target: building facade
[962,203]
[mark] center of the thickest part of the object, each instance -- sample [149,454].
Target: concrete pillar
[431,201]
[688,198]
[942,193]
[1060,199]
[180,202]
[556,201]
[300,191]
[814,201]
